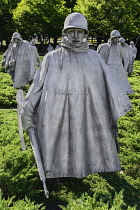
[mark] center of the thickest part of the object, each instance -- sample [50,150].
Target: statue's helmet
[114,34]
[132,43]
[16,35]
[121,40]
[75,20]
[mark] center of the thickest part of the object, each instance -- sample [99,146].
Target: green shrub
[18,171]
[10,204]
[97,203]
[7,91]
[1,69]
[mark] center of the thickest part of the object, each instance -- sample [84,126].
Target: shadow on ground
[74,185]
[131,194]
[78,187]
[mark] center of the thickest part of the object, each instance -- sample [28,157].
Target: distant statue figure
[50,48]
[57,46]
[114,56]
[134,53]
[134,49]
[33,42]
[71,109]
[109,41]
[4,59]
[128,54]
[20,61]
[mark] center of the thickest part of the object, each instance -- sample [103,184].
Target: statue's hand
[12,63]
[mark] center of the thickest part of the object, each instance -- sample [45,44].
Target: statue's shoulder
[94,55]
[94,52]
[24,43]
[52,54]
[120,47]
[103,46]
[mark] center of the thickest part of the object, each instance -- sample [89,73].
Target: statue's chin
[76,44]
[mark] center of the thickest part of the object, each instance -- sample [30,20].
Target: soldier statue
[114,56]
[20,61]
[72,108]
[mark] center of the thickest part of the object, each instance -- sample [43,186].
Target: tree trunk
[138,48]
[49,39]
[0,45]
[55,41]
[7,43]
[98,40]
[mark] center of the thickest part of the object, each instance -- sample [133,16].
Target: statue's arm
[33,96]
[36,56]
[124,58]
[118,99]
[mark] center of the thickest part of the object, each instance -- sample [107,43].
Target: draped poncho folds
[26,58]
[115,57]
[74,104]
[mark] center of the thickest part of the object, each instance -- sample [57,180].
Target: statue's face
[15,40]
[75,36]
[115,40]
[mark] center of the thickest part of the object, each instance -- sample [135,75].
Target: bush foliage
[19,179]
[7,91]
[25,204]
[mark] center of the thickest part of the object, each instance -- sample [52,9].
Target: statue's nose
[76,34]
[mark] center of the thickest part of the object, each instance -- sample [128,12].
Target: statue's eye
[80,31]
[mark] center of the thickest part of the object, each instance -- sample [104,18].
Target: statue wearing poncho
[20,61]
[74,104]
[115,57]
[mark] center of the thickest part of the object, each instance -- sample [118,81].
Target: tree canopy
[106,15]
[40,17]
[7,25]
[46,17]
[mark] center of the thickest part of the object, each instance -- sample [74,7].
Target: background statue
[128,54]
[20,60]
[57,46]
[73,106]
[4,59]
[134,53]
[114,56]
[33,42]
[134,49]
[50,48]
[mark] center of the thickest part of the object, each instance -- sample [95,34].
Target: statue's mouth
[76,41]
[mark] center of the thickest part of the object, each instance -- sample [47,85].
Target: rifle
[31,132]
[33,139]
[20,100]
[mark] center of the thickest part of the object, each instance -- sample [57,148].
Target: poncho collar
[66,43]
